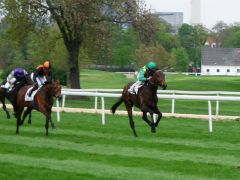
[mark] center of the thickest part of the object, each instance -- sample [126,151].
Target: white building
[220,61]
[195,12]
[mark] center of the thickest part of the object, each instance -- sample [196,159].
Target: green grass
[81,148]
[102,79]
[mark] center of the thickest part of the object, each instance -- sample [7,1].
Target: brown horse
[43,102]
[11,96]
[146,100]
[2,99]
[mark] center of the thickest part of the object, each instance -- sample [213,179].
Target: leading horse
[146,100]
[43,102]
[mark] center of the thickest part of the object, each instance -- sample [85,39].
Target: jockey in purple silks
[15,76]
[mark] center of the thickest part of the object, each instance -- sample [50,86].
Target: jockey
[40,76]
[145,73]
[16,75]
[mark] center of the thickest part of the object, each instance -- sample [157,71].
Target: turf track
[81,148]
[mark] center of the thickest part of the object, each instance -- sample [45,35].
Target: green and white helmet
[151,65]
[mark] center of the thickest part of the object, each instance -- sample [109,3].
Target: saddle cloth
[133,89]
[30,98]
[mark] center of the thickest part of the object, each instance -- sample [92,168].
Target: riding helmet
[19,72]
[151,65]
[47,64]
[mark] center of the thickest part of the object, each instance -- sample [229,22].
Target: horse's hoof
[153,130]
[20,123]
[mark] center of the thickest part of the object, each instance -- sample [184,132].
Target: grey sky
[211,10]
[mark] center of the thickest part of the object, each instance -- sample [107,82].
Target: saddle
[30,98]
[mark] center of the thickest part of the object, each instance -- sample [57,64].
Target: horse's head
[158,79]
[56,89]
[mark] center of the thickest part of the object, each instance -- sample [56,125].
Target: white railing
[172,92]
[68,92]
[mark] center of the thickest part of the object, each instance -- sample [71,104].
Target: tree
[227,36]
[233,41]
[154,53]
[124,43]
[181,59]
[192,38]
[166,38]
[74,17]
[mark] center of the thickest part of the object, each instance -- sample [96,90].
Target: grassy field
[101,79]
[81,148]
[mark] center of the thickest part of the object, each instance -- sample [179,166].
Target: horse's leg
[26,112]
[130,116]
[153,126]
[47,124]
[145,118]
[18,115]
[5,108]
[48,119]
[156,111]
[30,118]
[51,122]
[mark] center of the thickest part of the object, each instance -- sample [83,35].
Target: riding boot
[131,89]
[31,91]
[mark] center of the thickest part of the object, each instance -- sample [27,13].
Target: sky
[212,11]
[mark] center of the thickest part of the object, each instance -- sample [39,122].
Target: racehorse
[146,100]
[43,102]
[2,99]
[11,96]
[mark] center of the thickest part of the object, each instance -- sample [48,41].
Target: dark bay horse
[43,102]
[146,100]
[11,96]
[2,99]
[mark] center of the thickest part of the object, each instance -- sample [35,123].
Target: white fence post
[63,101]
[103,111]
[210,116]
[96,102]
[173,104]
[217,108]
[58,110]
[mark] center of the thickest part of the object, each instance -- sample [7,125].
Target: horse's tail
[114,107]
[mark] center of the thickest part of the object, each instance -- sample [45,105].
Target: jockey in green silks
[145,73]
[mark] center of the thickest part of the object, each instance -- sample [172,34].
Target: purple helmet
[19,72]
